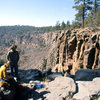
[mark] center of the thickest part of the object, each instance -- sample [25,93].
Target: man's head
[14,47]
[8,63]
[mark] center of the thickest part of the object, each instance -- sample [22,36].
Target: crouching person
[3,74]
[6,90]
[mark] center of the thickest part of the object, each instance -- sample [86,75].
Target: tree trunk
[83,15]
[95,9]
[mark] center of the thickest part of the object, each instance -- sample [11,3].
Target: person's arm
[5,74]
[17,56]
[7,56]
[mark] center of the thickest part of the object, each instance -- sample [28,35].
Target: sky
[36,12]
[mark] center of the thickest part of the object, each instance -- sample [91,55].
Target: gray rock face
[60,88]
[54,75]
[86,89]
[64,88]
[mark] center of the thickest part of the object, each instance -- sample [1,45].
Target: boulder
[86,74]
[54,75]
[88,90]
[60,88]
[30,74]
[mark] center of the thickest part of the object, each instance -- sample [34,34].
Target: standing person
[13,56]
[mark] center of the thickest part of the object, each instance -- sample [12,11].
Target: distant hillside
[9,32]
[33,44]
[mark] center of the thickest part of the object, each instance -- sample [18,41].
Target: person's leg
[12,82]
[16,70]
[12,71]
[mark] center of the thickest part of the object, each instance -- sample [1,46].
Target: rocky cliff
[64,51]
[78,49]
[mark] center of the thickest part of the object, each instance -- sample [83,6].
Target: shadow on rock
[39,95]
[30,74]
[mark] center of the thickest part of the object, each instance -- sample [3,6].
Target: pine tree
[68,24]
[96,6]
[57,25]
[82,6]
[97,17]
[63,25]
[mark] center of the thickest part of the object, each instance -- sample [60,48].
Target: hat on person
[13,46]
[8,62]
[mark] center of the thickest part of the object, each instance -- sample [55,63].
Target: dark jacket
[13,56]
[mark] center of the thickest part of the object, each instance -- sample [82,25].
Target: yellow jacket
[3,71]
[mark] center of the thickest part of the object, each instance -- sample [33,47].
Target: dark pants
[14,69]
[12,82]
